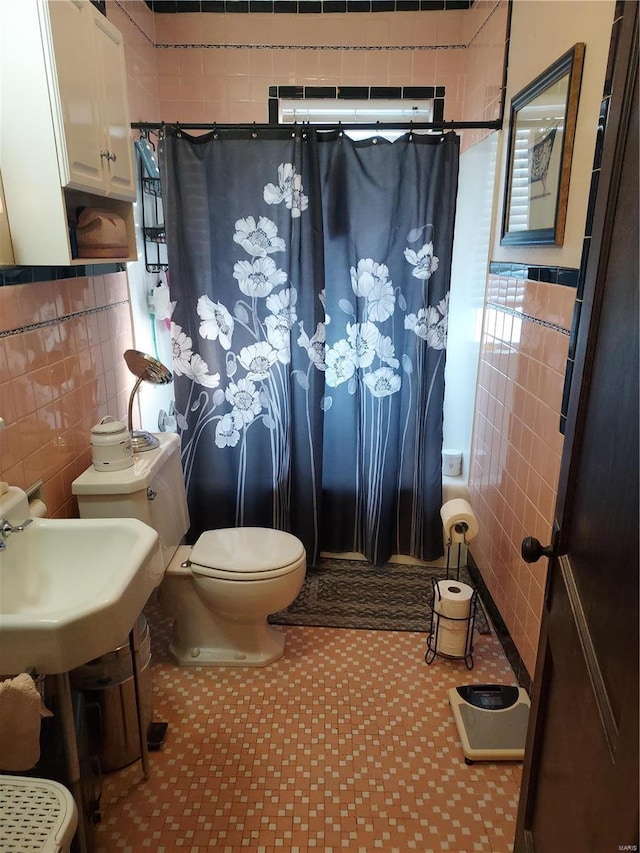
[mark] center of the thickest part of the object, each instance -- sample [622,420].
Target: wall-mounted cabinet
[65,139]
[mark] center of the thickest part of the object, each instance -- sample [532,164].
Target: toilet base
[266,646]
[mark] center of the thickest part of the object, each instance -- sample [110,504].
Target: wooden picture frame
[542,126]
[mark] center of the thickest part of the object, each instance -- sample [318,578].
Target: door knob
[532,550]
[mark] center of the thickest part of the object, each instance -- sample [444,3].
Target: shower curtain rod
[379,126]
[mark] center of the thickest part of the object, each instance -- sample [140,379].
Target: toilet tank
[152,490]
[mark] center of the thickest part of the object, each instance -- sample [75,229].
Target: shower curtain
[310,275]
[245,270]
[388,212]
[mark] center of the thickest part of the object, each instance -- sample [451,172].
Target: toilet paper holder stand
[466,623]
[451,621]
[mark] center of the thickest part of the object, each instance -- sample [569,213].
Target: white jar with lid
[111,448]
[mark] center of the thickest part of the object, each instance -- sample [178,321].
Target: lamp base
[141,441]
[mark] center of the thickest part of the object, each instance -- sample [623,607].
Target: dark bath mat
[351,594]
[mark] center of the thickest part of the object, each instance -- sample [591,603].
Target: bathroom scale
[492,721]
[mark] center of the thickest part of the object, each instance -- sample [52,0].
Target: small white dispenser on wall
[452,463]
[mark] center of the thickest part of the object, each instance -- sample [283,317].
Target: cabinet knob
[151,494]
[108,156]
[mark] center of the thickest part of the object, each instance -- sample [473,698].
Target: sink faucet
[6,528]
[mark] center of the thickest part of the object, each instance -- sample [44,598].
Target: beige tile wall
[61,370]
[61,342]
[226,74]
[136,22]
[517,445]
[484,35]
[193,67]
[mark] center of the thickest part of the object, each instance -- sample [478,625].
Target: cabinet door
[78,95]
[109,51]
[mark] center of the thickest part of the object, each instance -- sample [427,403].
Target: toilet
[219,591]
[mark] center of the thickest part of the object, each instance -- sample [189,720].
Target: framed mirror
[542,127]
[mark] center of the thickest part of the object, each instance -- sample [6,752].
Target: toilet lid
[243,550]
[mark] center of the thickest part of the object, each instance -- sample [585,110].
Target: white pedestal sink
[70,591]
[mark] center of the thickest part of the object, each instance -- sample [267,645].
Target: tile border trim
[366,93]
[45,324]
[40,274]
[355,47]
[527,317]
[566,276]
[301,7]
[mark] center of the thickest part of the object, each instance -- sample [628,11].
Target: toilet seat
[246,553]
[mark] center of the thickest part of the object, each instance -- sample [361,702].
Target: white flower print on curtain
[388,216]
[311,285]
[237,262]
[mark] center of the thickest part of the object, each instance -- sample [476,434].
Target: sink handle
[6,527]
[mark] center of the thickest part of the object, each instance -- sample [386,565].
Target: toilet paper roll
[453,599]
[452,643]
[458,520]
[452,608]
[38,509]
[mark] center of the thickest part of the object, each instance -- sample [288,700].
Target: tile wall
[219,67]
[136,22]
[61,340]
[517,443]
[61,370]
[485,29]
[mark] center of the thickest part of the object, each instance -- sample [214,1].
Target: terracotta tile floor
[345,744]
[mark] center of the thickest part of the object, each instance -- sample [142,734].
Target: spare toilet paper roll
[38,509]
[452,608]
[458,520]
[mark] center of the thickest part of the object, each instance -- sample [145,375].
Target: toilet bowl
[221,591]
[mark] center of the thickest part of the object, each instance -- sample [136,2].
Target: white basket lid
[246,549]
[37,815]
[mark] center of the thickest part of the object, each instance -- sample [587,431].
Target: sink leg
[134,643]
[67,721]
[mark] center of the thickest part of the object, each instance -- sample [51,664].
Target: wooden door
[580,777]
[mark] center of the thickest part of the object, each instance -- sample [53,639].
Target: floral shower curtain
[311,275]
[389,212]
[245,258]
